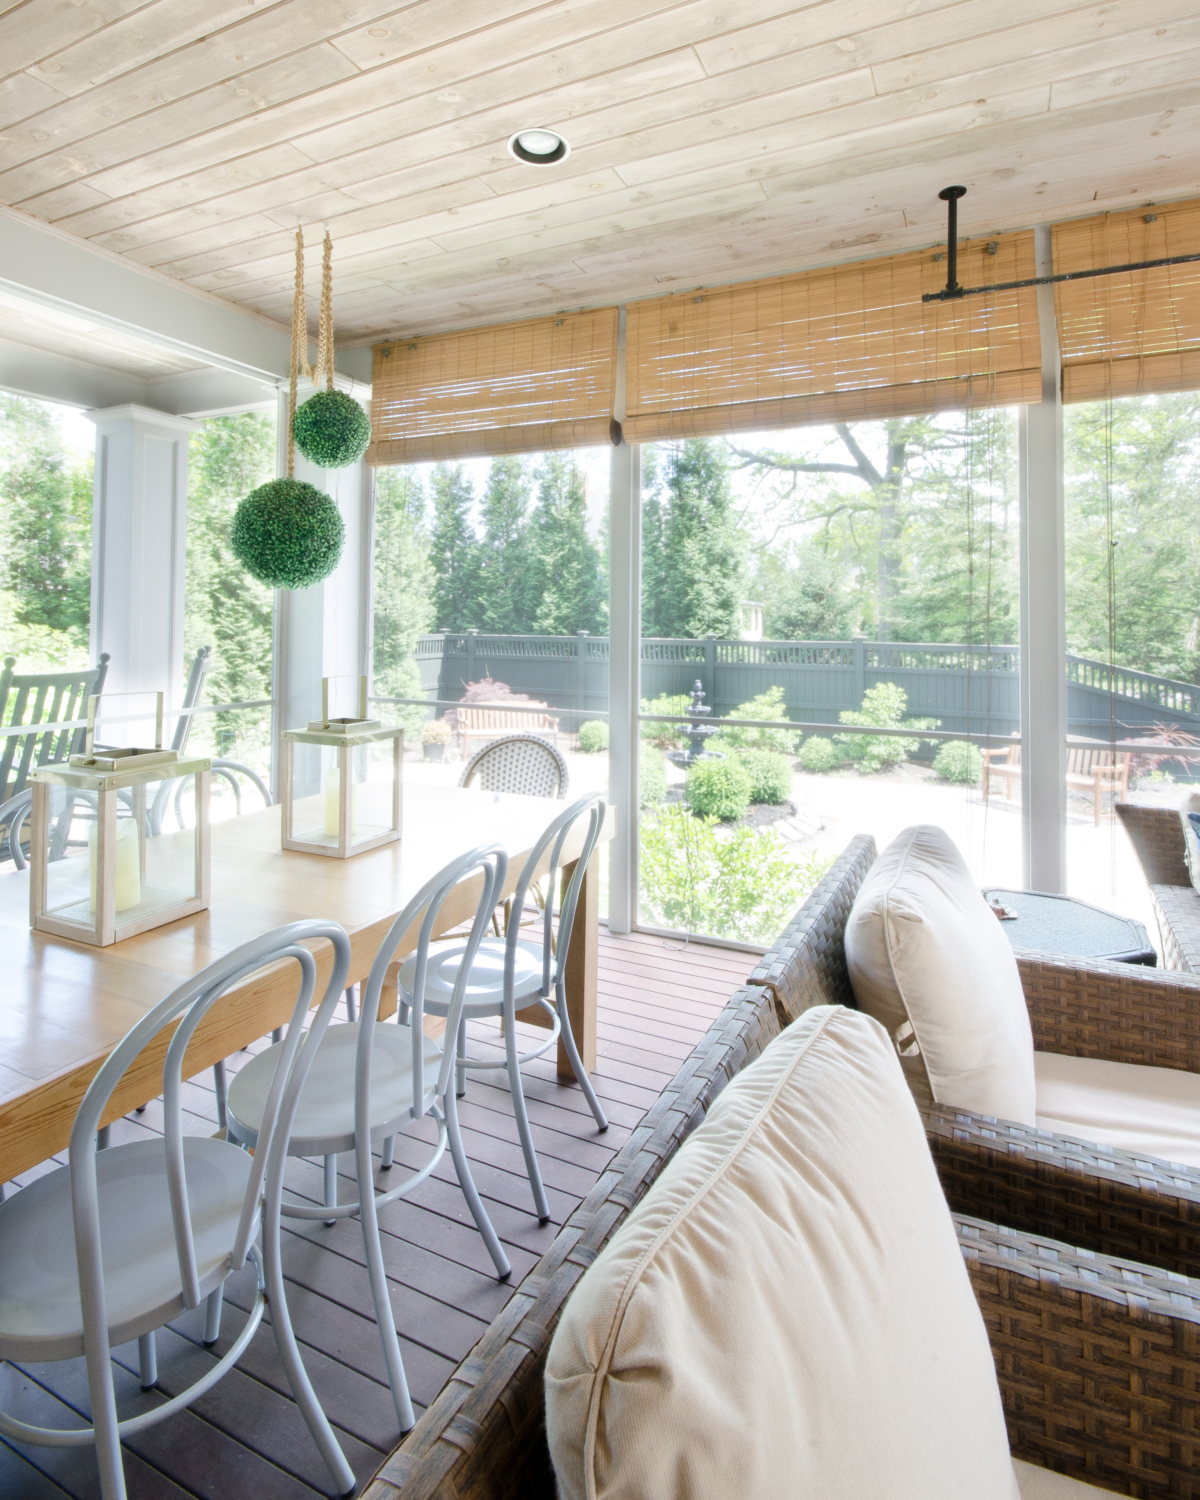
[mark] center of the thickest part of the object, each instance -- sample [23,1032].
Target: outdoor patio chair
[33,698]
[787,1312]
[521,763]
[120,1243]
[368,1081]
[508,977]
[1093,768]
[1104,1197]
[1157,836]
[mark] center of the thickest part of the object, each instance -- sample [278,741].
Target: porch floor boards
[245,1439]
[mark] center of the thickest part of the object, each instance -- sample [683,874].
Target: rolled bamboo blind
[515,388]
[1139,331]
[843,343]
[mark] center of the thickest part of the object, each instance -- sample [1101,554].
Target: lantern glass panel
[374,779]
[70,855]
[167,810]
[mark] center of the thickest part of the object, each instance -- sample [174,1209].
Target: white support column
[323,631]
[139,540]
[1043,612]
[624,680]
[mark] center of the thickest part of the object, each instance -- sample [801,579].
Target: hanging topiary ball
[331,429]
[288,534]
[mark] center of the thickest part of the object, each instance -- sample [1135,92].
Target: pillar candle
[333,792]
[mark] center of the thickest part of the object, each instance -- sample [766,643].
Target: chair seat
[324,1122]
[1152,1111]
[485,987]
[40,1314]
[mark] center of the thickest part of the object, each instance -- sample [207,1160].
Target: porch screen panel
[1138,332]
[523,387]
[844,343]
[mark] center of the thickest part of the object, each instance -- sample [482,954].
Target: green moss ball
[331,429]
[288,534]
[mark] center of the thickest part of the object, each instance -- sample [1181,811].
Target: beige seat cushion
[925,952]
[1153,1111]
[786,1313]
[1044,1484]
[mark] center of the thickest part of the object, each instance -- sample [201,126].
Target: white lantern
[105,862]
[341,783]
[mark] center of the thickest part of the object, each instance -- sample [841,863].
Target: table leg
[582,965]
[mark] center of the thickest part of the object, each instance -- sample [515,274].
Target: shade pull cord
[299,360]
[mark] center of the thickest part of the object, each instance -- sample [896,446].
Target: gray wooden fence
[971,689]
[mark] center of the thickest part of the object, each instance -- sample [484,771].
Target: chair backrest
[550,847]
[492,862]
[201,663]
[522,763]
[191,1002]
[42,698]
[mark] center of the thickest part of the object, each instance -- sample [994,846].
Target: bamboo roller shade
[516,388]
[844,343]
[1136,332]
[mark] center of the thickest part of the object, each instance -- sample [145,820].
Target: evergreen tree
[404,583]
[692,546]
[503,589]
[453,550]
[570,590]
[46,505]
[805,596]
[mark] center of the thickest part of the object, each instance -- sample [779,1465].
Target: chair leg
[471,1192]
[331,1185]
[351,1008]
[388,1154]
[532,1170]
[147,1361]
[585,1083]
[102,1137]
[277,1034]
[212,1314]
[460,1072]
[219,1085]
[385,1319]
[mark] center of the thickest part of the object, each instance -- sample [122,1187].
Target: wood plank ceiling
[712,140]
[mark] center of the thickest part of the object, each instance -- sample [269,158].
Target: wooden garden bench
[1092,767]
[475,721]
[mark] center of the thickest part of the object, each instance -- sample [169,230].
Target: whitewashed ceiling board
[710,141]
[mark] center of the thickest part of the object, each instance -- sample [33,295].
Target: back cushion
[1190,818]
[786,1312]
[932,964]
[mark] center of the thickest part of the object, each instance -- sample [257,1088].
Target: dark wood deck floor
[245,1439]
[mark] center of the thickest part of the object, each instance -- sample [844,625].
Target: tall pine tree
[692,546]
[403,588]
[453,550]
[569,585]
[503,589]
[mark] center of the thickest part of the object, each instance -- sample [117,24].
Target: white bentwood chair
[120,1242]
[368,1080]
[510,974]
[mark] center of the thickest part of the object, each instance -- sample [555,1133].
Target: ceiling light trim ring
[520,141]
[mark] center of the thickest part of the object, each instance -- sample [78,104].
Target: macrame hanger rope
[299,363]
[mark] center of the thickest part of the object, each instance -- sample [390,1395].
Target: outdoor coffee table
[1047,923]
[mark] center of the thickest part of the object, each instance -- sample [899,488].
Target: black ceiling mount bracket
[952,291]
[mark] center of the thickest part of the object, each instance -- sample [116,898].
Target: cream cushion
[1043,1484]
[925,952]
[1153,1111]
[786,1313]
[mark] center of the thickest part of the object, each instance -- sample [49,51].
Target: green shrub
[957,760]
[883,707]
[593,736]
[770,775]
[740,884]
[719,789]
[666,736]
[652,777]
[769,705]
[819,754]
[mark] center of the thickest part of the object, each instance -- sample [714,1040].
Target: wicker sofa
[1157,838]
[1053,1312]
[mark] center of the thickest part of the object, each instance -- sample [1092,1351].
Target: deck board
[246,1438]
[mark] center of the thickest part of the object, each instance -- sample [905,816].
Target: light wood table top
[65,1005]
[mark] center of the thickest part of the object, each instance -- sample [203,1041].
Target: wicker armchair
[1099,1197]
[1157,837]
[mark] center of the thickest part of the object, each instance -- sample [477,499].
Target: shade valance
[844,343]
[1139,331]
[514,388]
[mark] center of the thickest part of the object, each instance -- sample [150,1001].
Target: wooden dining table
[64,1005]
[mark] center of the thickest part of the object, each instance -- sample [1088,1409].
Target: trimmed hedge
[719,789]
[593,736]
[770,775]
[819,754]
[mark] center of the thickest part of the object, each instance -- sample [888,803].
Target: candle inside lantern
[333,794]
[128,865]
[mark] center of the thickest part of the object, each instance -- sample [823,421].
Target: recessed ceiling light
[540,147]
